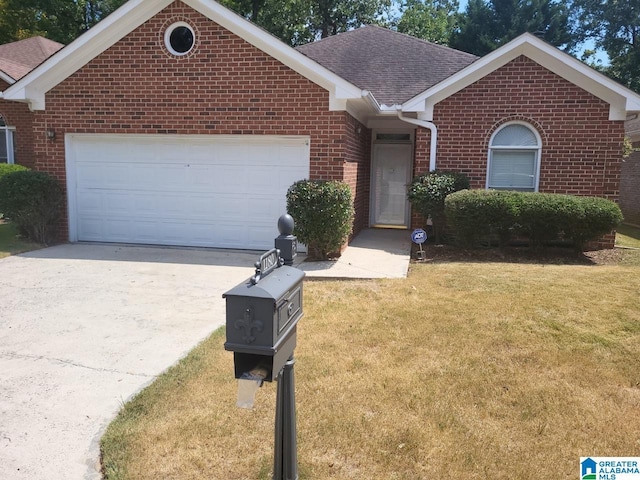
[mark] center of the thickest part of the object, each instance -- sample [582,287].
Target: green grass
[11,243]
[462,370]
[628,236]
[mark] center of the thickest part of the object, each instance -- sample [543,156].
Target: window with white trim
[179,38]
[514,158]
[7,145]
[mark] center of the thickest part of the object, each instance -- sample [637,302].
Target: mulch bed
[549,255]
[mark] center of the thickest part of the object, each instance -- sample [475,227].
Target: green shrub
[428,191]
[600,216]
[482,216]
[6,168]
[323,214]
[33,201]
[543,218]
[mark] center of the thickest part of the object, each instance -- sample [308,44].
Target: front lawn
[11,243]
[628,236]
[461,371]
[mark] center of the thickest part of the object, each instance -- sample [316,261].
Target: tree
[432,20]
[615,27]
[59,20]
[300,21]
[486,25]
[330,17]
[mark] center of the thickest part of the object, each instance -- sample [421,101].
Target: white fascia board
[7,78]
[337,86]
[620,98]
[33,87]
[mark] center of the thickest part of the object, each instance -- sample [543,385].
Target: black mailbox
[262,315]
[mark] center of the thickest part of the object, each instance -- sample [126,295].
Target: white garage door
[212,191]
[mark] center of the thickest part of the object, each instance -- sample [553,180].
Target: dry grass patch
[465,371]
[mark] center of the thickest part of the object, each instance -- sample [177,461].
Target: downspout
[434,136]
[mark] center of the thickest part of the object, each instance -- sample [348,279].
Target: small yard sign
[419,236]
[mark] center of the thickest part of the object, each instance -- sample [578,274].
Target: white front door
[391,174]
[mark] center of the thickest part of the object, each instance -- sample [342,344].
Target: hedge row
[479,216]
[6,168]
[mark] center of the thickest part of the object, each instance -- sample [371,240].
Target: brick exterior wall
[357,171]
[19,116]
[581,147]
[630,188]
[223,86]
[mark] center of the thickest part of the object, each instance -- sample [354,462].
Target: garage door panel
[89,202]
[216,191]
[91,228]
[259,234]
[230,235]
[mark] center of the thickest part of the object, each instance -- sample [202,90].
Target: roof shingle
[19,58]
[393,66]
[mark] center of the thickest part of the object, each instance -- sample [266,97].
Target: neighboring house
[179,122]
[630,175]
[16,60]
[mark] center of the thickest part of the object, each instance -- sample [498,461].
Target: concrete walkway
[374,253]
[84,327]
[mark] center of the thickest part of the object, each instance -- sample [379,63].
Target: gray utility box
[262,315]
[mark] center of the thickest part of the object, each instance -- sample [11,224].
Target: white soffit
[33,87]
[620,99]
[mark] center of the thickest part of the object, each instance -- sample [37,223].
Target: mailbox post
[262,317]
[287,243]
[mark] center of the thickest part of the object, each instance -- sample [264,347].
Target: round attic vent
[179,38]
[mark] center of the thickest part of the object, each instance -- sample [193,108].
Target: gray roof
[393,66]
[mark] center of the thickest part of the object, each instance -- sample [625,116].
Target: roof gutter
[434,136]
[371,100]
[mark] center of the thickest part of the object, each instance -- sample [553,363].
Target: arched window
[7,147]
[514,158]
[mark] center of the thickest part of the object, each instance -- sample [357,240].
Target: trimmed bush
[33,201]
[6,168]
[600,216]
[323,213]
[428,191]
[543,218]
[482,216]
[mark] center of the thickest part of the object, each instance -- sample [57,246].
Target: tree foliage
[59,20]
[614,26]
[432,20]
[300,21]
[488,24]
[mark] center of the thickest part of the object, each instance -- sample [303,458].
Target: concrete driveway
[82,329]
